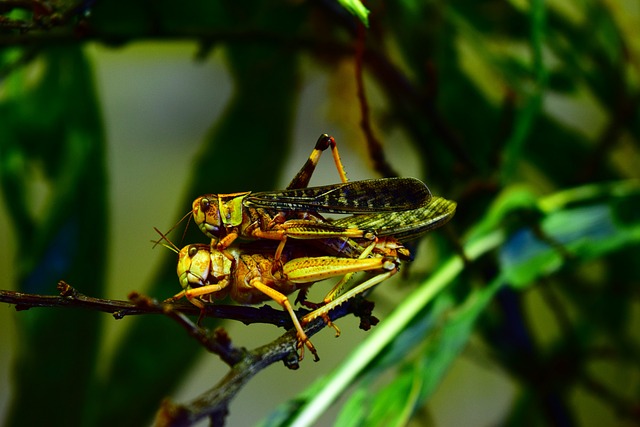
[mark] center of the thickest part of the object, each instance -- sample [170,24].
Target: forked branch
[244,363]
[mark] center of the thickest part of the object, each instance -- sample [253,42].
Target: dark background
[114,118]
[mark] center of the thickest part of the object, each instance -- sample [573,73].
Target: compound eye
[193,250]
[204,204]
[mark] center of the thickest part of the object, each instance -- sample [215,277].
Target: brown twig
[214,402]
[380,163]
[244,364]
[70,297]
[219,343]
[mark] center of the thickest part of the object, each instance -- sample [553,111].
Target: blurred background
[114,116]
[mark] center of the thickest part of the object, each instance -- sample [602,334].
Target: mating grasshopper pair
[382,213]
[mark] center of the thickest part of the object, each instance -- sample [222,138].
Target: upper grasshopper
[378,207]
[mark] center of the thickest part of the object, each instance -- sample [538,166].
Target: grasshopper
[391,205]
[247,276]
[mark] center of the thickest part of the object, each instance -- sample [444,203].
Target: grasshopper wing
[403,225]
[368,196]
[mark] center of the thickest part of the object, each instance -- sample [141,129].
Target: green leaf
[420,376]
[283,414]
[53,129]
[386,332]
[512,199]
[526,117]
[359,410]
[575,233]
[357,9]
[458,325]
[394,404]
[355,410]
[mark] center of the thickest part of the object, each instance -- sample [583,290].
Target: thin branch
[70,297]
[219,343]
[214,402]
[244,364]
[380,163]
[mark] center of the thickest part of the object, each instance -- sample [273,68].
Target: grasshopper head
[199,266]
[194,266]
[214,213]
[206,215]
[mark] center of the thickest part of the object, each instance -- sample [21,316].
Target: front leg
[193,294]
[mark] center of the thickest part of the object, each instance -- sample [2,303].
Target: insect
[207,274]
[403,225]
[296,211]
[381,212]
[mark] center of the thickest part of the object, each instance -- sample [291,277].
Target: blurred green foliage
[547,202]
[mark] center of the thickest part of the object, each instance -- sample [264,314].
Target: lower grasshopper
[248,277]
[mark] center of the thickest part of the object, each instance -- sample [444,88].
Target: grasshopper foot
[302,342]
[330,324]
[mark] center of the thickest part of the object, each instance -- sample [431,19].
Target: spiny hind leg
[283,301]
[356,290]
[302,178]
